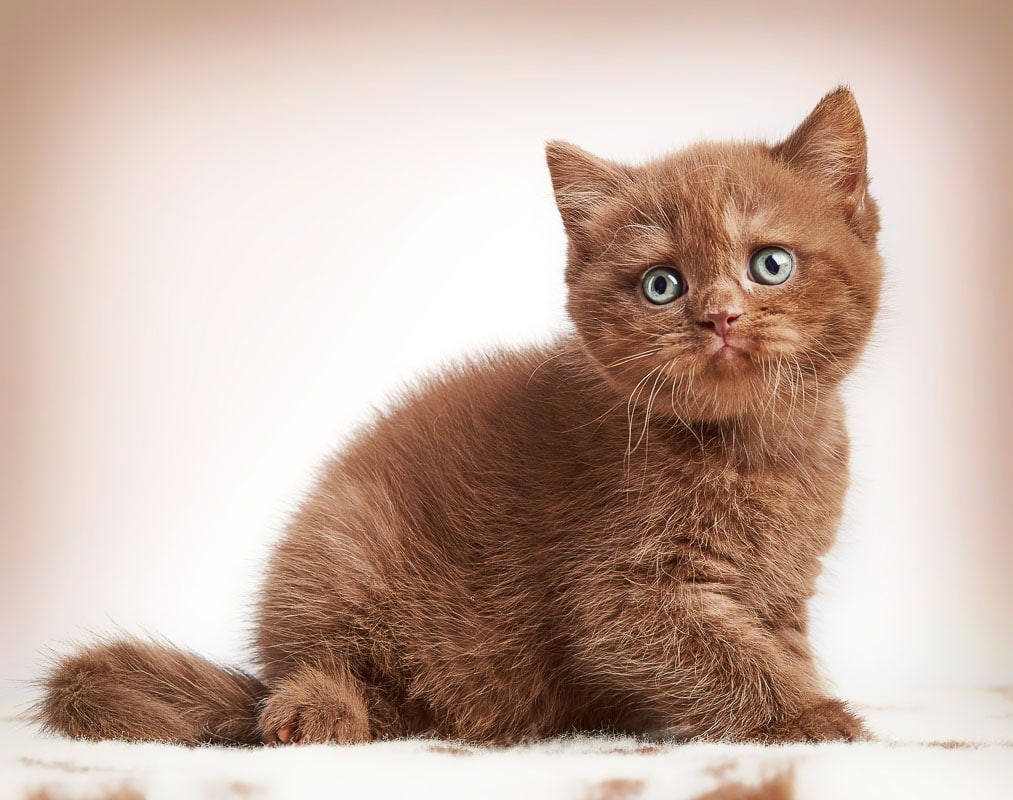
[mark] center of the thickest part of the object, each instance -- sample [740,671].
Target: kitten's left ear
[830,146]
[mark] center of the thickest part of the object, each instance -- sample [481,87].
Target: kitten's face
[722,279]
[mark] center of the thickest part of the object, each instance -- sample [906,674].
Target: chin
[725,388]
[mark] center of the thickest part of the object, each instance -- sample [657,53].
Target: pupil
[660,284]
[771,264]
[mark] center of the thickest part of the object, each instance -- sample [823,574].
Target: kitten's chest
[755,534]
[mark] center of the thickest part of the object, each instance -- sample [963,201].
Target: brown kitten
[616,532]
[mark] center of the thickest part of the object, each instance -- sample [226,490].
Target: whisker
[634,357]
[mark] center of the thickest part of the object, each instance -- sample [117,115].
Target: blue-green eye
[771,266]
[662,285]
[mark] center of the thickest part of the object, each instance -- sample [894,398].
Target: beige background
[229,231]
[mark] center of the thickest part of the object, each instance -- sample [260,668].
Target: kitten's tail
[144,691]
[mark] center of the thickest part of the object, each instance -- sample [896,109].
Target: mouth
[724,350]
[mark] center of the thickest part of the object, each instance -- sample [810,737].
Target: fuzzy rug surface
[953,744]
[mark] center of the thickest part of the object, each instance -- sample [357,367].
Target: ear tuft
[582,182]
[830,146]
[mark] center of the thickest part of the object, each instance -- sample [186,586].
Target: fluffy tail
[143,691]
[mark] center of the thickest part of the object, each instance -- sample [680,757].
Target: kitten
[617,532]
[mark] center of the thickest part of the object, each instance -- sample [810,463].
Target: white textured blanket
[956,744]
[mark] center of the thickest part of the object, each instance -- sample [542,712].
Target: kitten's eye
[662,285]
[771,266]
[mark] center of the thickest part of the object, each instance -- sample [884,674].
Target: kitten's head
[726,275]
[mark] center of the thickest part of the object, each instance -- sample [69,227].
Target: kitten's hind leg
[315,704]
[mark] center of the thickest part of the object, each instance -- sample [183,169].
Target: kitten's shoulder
[553,371]
[502,393]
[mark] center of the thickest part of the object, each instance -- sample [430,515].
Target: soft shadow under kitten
[616,532]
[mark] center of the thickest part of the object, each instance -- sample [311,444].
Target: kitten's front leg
[828,720]
[728,676]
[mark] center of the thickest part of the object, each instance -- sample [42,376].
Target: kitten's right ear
[582,183]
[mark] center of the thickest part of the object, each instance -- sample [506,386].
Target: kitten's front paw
[310,709]
[826,721]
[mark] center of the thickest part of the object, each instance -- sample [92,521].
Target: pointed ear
[830,146]
[582,183]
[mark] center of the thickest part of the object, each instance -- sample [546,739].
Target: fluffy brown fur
[616,532]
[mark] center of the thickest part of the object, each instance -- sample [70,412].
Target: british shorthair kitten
[617,532]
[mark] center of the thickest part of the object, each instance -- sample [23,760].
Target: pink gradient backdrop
[229,231]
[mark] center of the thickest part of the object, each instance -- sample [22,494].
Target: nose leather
[721,321]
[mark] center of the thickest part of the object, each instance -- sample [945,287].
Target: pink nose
[721,321]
